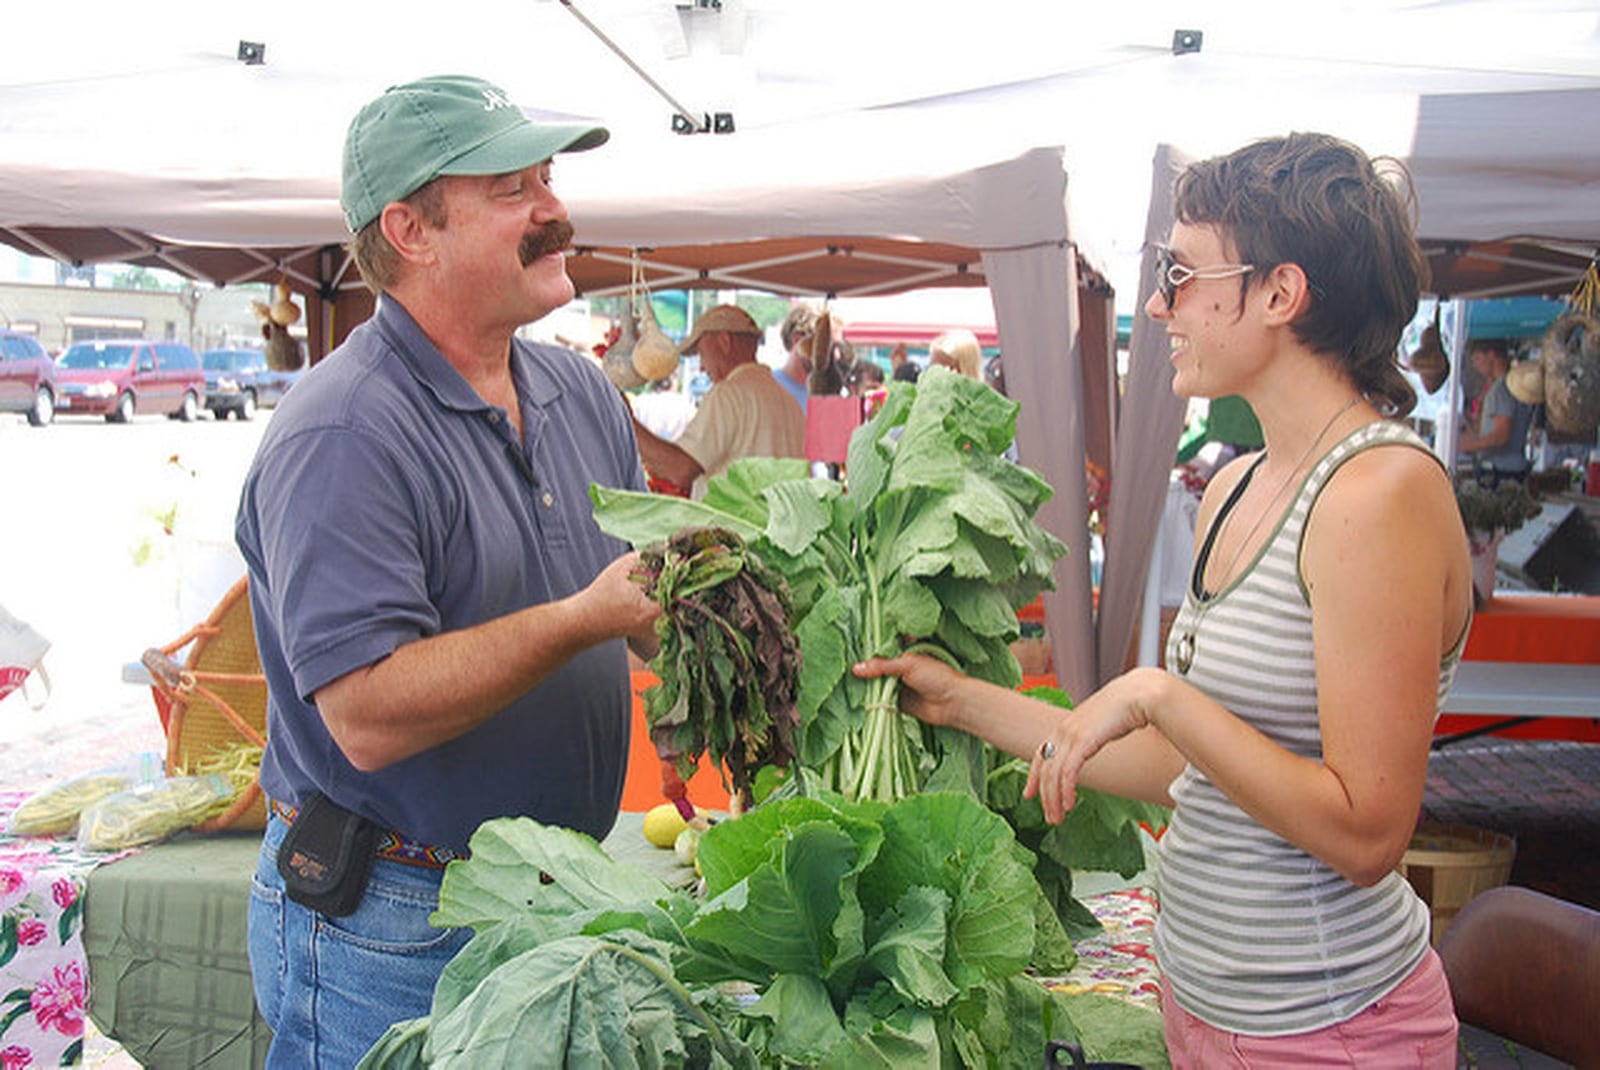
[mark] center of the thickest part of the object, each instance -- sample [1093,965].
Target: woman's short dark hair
[1347,221]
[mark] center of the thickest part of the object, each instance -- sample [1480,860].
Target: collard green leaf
[908,946]
[872,445]
[799,511]
[400,1047]
[829,645]
[741,489]
[796,913]
[640,519]
[1098,833]
[979,606]
[490,949]
[505,877]
[886,1032]
[804,1029]
[1114,1030]
[732,850]
[907,608]
[951,842]
[573,1002]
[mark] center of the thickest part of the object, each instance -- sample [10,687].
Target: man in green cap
[441,623]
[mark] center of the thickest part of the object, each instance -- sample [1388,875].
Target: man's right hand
[619,599]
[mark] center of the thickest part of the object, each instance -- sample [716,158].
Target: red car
[27,378]
[119,379]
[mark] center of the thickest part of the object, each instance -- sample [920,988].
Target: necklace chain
[1186,641]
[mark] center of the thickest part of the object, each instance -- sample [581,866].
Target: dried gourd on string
[642,352]
[729,665]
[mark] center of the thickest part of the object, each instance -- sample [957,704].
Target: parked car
[27,378]
[239,381]
[122,378]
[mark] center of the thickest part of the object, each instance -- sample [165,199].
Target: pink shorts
[1413,1026]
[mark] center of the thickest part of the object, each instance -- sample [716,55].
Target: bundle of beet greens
[729,664]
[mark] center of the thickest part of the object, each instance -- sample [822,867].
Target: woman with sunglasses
[1325,615]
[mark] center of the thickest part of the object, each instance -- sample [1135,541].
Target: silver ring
[1047,749]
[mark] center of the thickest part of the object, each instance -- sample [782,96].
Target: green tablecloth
[169,969]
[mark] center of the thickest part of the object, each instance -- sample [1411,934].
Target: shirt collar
[534,378]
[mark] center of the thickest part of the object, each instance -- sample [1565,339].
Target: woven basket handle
[166,674]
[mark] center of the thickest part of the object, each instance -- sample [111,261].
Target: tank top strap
[1368,436]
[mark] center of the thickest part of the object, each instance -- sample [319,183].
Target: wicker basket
[1449,864]
[216,697]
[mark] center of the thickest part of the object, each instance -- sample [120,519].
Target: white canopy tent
[876,148]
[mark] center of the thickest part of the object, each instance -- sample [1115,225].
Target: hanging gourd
[283,352]
[656,355]
[643,353]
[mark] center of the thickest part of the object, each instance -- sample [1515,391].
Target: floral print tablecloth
[1119,961]
[43,972]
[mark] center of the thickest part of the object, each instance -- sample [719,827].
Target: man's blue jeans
[330,987]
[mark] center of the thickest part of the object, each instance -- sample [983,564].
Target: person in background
[1324,618]
[994,373]
[796,332]
[745,414]
[898,357]
[959,351]
[907,372]
[1497,444]
[441,623]
[866,378]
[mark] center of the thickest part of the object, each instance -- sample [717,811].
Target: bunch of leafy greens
[933,549]
[728,665]
[830,934]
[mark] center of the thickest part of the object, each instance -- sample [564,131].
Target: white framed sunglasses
[1172,276]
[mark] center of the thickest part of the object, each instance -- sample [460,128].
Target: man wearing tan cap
[745,414]
[440,621]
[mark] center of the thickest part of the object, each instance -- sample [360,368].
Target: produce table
[165,943]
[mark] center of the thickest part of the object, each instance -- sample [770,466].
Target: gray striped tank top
[1256,936]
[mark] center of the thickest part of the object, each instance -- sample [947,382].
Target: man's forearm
[432,690]
[666,460]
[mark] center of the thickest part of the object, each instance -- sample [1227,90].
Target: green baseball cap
[444,125]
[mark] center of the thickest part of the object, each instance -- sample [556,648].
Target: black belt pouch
[326,857]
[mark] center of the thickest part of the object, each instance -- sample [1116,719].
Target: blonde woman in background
[959,351]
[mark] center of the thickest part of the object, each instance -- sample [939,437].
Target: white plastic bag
[21,656]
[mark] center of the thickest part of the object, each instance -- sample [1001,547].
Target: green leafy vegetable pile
[729,666]
[830,934]
[933,549]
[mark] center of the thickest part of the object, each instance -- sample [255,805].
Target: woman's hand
[1119,708]
[929,689]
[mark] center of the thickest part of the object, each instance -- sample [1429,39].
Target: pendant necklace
[1184,652]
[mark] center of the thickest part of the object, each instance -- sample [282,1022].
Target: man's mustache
[550,238]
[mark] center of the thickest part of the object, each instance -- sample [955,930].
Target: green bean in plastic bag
[54,810]
[149,812]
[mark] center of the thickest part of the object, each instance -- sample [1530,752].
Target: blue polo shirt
[388,503]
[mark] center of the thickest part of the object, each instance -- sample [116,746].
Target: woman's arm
[1384,559]
[1139,766]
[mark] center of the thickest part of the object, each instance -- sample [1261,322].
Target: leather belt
[392,847]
